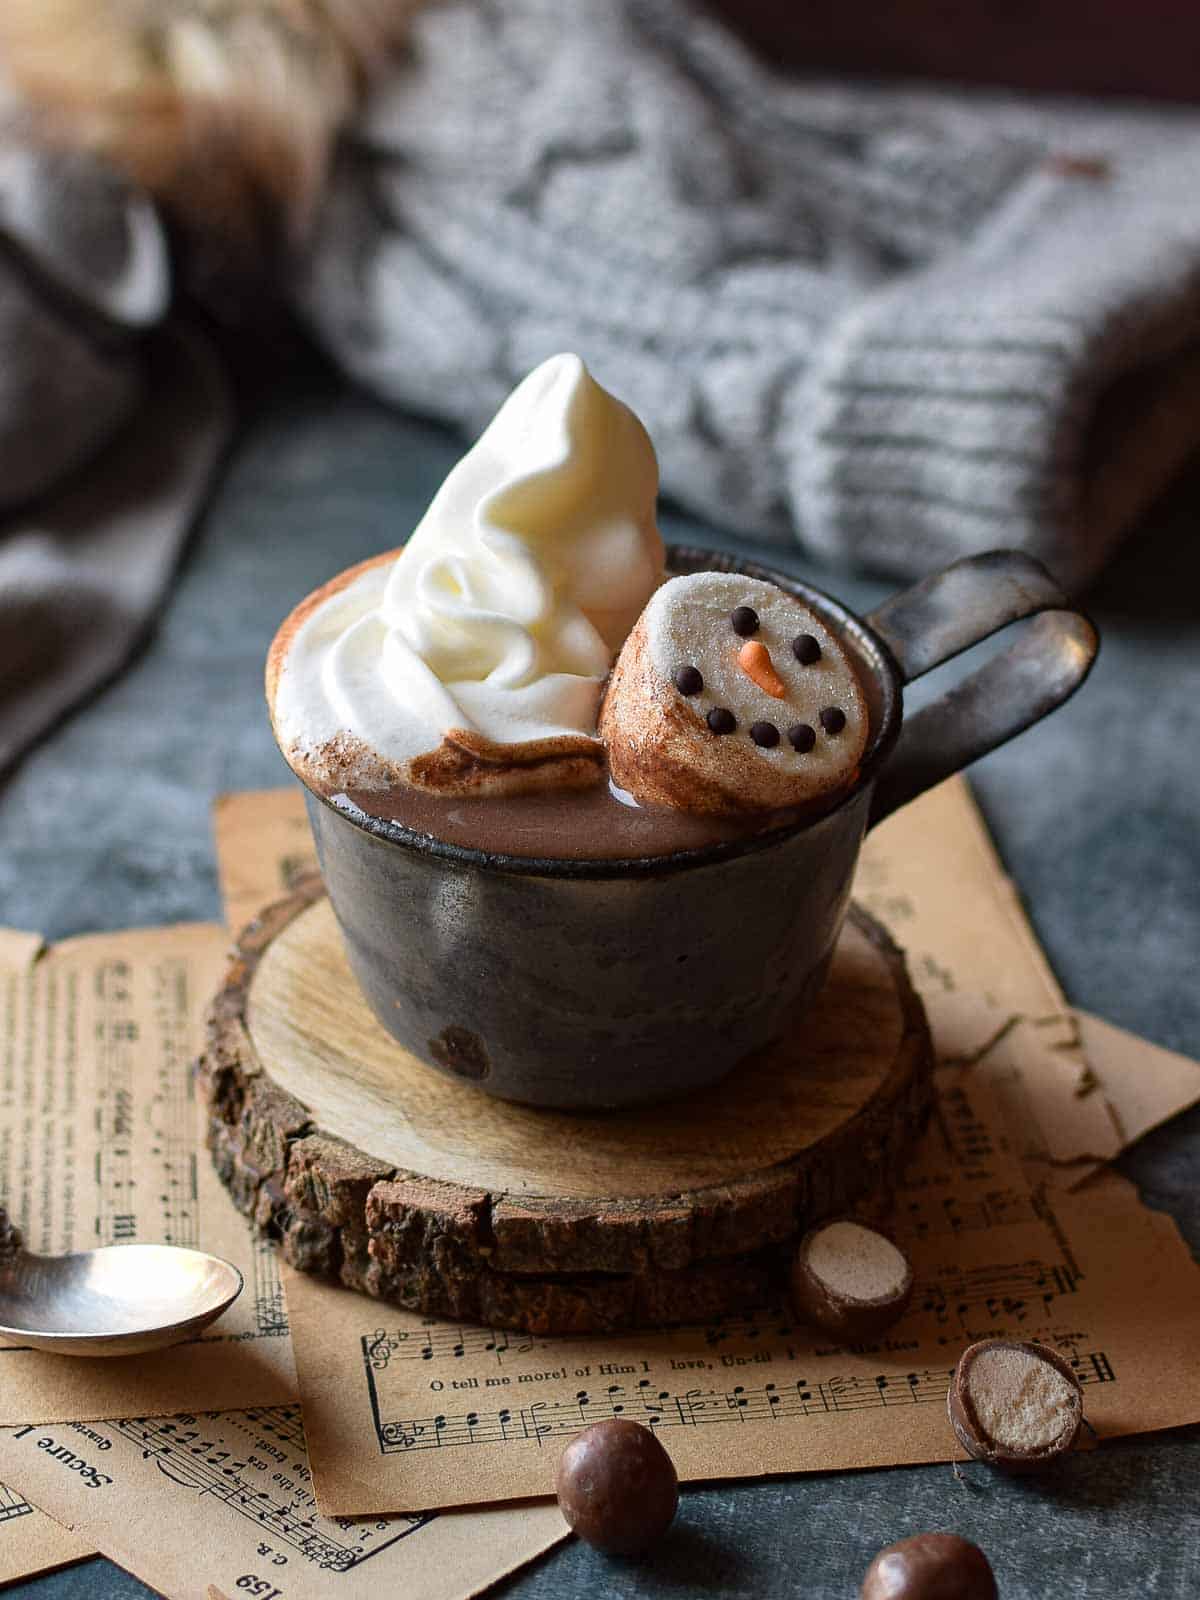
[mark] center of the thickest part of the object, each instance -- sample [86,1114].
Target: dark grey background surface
[1095,813]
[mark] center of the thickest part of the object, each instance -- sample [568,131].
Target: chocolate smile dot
[720,720]
[806,649]
[801,737]
[744,621]
[833,719]
[765,734]
[689,680]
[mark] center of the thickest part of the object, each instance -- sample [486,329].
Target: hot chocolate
[522,677]
[663,782]
[582,824]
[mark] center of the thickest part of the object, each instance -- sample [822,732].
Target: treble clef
[379,1349]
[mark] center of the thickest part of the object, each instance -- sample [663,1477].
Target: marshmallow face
[731,695]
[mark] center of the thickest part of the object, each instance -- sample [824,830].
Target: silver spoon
[118,1300]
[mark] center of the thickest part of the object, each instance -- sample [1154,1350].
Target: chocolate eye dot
[744,621]
[802,738]
[806,649]
[689,680]
[720,720]
[833,719]
[765,734]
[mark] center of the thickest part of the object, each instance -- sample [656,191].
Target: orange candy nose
[755,661]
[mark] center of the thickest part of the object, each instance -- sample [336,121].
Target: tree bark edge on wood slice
[539,1264]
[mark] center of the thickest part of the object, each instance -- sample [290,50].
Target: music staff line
[928,1217]
[216,1466]
[116,1031]
[270,1309]
[1002,1290]
[661,1408]
[170,1107]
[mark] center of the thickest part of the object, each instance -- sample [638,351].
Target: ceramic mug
[591,984]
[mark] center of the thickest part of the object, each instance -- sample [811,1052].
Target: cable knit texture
[899,325]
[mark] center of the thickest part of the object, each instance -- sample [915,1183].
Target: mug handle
[945,614]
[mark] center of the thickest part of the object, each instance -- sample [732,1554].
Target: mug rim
[681,560]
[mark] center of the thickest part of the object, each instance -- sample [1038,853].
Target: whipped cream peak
[501,616]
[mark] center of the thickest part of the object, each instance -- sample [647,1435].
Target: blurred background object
[1076,46]
[227,112]
[896,322]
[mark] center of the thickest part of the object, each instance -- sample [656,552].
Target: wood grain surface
[370,1167]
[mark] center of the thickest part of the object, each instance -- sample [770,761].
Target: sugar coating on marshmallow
[856,1263]
[1023,1403]
[688,623]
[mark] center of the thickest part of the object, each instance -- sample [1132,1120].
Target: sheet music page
[203,1504]
[101,1142]
[30,1541]
[1143,1083]
[263,849]
[404,1412]
[932,875]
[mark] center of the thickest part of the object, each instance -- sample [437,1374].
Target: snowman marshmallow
[731,696]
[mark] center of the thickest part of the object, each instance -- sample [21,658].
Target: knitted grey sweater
[899,325]
[896,324]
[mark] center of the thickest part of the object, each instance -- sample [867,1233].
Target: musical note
[695,1407]
[203,1456]
[1003,1290]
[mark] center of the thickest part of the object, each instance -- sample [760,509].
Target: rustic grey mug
[597,984]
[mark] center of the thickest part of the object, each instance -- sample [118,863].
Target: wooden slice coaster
[420,1189]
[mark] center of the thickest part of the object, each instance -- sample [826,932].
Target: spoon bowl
[117,1300]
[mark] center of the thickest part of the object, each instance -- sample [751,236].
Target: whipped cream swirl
[501,616]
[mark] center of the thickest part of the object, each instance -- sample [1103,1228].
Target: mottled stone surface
[1095,814]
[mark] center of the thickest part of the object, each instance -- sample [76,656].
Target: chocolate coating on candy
[689,680]
[806,649]
[930,1566]
[850,1280]
[833,719]
[617,1487]
[801,737]
[744,621]
[765,735]
[1013,1404]
[720,720]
